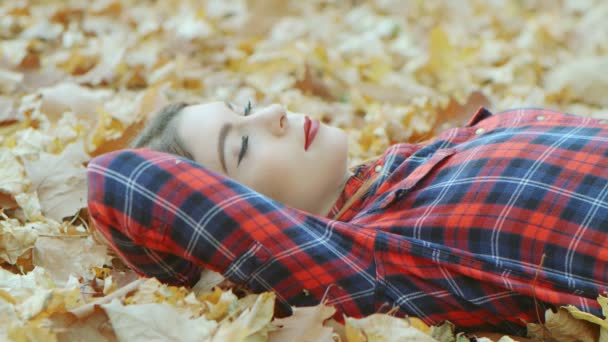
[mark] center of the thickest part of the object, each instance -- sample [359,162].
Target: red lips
[310,131]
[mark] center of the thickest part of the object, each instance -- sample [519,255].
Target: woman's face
[270,150]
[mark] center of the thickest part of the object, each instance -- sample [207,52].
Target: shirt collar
[354,182]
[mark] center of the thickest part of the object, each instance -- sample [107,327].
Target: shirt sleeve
[168,216]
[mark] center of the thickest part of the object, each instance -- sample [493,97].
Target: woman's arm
[168,216]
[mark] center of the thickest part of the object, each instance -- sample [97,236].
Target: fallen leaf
[70,96]
[562,326]
[60,180]
[252,324]
[12,173]
[50,252]
[456,114]
[312,83]
[30,206]
[305,324]
[148,104]
[15,239]
[7,201]
[585,317]
[93,328]
[208,280]
[382,327]
[156,322]
[443,332]
[112,49]
[31,331]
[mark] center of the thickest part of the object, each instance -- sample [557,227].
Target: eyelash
[244,139]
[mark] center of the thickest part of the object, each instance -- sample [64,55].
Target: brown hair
[160,134]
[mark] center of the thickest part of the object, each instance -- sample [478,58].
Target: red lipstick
[310,131]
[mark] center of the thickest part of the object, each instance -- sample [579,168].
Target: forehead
[199,128]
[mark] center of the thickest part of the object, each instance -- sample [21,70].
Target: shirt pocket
[404,186]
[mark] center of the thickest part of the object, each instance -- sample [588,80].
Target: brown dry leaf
[29,207]
[219,307]
[305,324]
[60,180]
[72,97]
[156,322]
[562,326]
[382,327]
[251,325]
[93,328]
[31,332]
[587,317]
[443,332]
[7,201]
[50,252]
[12,173]
[312,83]
[15,239]
[153,291]
[456,114]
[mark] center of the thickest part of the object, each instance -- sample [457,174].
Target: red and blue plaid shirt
[455,228]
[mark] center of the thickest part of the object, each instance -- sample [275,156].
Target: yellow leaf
[306,324]
[564,326]
[156,322]
[383,327]
[60,180]
[250,324]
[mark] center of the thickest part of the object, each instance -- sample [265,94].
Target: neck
[330,199]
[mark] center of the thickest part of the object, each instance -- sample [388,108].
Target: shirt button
[540,118]
[480,130]
[378,168]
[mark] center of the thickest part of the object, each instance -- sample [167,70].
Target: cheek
[270,173]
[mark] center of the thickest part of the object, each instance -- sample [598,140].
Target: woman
[485,225]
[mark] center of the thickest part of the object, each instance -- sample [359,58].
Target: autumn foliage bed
[79,78]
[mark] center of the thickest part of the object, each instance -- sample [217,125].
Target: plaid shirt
[454,228]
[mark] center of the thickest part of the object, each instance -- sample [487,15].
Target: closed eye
[244,139]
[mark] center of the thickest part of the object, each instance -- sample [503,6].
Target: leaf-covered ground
[79,78]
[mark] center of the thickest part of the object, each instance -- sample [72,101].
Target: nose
[272,118]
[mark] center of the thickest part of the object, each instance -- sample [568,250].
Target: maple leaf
[156,322]
[305,324]
[573,323]
[69,96]
[251,324]
[60,180]
[383,327]
[50,252]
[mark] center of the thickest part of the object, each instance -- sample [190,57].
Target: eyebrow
[226,127]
